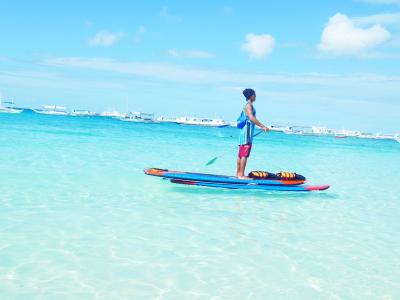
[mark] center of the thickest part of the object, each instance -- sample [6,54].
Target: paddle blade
[211,161]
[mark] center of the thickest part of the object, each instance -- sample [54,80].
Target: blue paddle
[210,162]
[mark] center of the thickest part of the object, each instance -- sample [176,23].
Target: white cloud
[190,53]
[342,37]
[389,18]
[88,24]
[179,73]
[174,72]
[173,52]
[43,79]
[382,1]
[105,39]
[164,13]
[137,37]
[227,11]
[258,46]
[141,29]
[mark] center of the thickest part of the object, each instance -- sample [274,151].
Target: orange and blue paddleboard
[231,182]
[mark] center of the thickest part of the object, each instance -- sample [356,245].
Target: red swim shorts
[244,150]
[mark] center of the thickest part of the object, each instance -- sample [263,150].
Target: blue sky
[311,62]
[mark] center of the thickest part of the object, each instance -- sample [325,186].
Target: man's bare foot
[243,177]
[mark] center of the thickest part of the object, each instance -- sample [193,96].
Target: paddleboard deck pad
[231,182]
[219,178]
[285,176]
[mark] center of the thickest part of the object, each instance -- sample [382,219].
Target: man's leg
[244,152]
[242,167]
[238,167]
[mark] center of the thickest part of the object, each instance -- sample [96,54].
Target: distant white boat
[365,135]
[278,128]
[343,133]
[10,110]
[52,110]
[112,114]
[380,136]
[82,113]
[7,108]
[201,122]
[139,117]
[299,130]
[163,119]
[352,133]
[318,130]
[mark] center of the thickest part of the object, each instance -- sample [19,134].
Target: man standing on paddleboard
[248,121]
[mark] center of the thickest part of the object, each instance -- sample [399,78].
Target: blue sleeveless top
[247,132]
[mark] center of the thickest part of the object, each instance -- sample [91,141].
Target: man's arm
[249,113]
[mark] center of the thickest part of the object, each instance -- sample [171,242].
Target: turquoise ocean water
[80,220]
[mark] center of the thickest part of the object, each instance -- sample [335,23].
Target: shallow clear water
[80,220]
